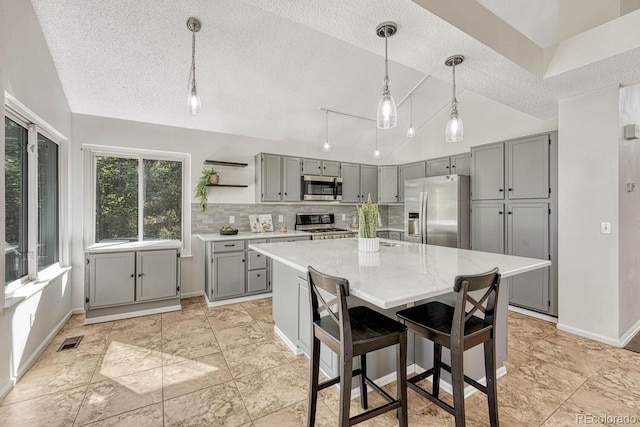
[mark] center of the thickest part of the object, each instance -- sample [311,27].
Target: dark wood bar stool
[459,330]
[352,332]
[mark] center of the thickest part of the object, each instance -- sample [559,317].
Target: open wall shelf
[220,163]
[227,185]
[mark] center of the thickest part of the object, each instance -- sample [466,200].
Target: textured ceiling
[265,67]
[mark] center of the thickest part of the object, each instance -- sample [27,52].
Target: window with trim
[32,238]
[137,197]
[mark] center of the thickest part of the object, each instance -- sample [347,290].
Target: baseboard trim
[293,347]
[131,314]
[77,311]
[6,388]
[236,300]
[589,335]
[468,390]
[191,294]
[627,336]
[535,314]
[34,356]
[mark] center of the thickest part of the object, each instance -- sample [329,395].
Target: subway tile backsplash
[217,215]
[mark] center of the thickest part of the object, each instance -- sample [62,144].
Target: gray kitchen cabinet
[269,189]
[291,173]
[383,234]
[257,281]
[487,172]
[368,183]
[527,168]
[330,168]
[112,279]
[350,182]
[387,184]
[157,274]
[487,227]
[257,261]
[395,235]
[528,236]
[461,164]
[410,171]
[438,167]
[228,274]
[311,167]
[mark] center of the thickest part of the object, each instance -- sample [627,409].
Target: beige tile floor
[225,367]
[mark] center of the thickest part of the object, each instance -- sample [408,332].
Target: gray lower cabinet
[157,274]
[487,172]
[396,235]
[112,279]
[487,227]
[461,164]
[438,167]
[228,273]
[383,234]
[527,168]
[410,171]
[387,184]
[291,183]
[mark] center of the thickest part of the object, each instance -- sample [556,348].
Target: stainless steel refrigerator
[437,211]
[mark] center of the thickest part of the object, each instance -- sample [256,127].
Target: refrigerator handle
[424,201]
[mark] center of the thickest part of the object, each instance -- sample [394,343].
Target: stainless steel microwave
[321,188]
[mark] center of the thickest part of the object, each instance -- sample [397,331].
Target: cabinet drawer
[229,246]
[257,260]
[395,235]
[257,281]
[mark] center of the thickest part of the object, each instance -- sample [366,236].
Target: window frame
[93,151]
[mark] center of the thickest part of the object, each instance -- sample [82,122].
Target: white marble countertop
[397,275]
[133,246]
[392,227]
[246,235]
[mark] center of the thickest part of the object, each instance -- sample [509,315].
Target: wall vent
[70,343]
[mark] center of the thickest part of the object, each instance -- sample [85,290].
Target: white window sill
[28,289]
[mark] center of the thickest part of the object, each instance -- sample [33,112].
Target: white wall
[587,195]
[485,121]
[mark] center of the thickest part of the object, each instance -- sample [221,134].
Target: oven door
[321,188]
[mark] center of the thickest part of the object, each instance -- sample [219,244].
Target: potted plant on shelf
[209,177]
[368,215]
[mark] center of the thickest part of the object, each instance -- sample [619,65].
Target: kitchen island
[401,274]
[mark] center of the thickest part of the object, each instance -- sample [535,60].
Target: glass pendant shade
[454,131]
[387,112]
[326,147]
[193,104]
[411,132]
[376,154]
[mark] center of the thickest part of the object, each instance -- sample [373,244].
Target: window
[138,196]
[31,186]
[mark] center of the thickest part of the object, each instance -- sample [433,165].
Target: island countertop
[246,235]
[400,273]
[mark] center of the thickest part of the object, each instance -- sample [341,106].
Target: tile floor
[225,367]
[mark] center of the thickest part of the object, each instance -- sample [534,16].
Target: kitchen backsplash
[395,214]
[217,215]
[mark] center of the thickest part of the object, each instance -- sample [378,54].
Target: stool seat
[438,318]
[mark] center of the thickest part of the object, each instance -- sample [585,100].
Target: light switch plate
[280,218]
[344,217]
[232,219]
[605,228]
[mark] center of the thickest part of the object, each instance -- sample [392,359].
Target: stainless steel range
[322,226]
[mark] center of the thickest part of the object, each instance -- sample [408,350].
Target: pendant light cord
[454,102]
[376,138]
[386,63]
[193,61]
[411,109]
[326,127]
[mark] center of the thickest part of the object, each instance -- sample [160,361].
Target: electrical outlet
[232,219]
[280,218]
[605,228]
[344,217]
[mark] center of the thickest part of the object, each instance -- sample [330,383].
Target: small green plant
[368,217]
[201,187]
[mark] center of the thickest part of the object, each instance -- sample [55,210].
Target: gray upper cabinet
[350,182]
[461,164]
[487,227]
[487,172]
[528,236]
[527,168]
[291,173]
[270,188]
[157,274]
[368,183]
[112,279]
[438,167]
[330,168]
[311,167]
[410,171]
[228,274]
[387,184]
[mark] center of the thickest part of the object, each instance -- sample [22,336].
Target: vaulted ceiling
[265,67]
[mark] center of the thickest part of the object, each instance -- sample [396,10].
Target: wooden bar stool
[352,332]
[458,330]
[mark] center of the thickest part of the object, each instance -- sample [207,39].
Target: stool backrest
[486,304]
[335,286]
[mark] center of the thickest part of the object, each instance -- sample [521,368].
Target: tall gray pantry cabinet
[514,211]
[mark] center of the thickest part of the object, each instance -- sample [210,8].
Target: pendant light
[454,131]
[387,113]
[376,152]
[411,132]
[326,147]
[193,103]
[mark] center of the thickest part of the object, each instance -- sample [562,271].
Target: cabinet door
[368,183]
[330,168]
[257,261]
[311,167]
[395,235]
[410,171]
[228,274]
[383,234]
[461,164]
[487,172]
[291,173]
[157,274]
[257,281]
[271,178]
[438,167]
[350,182]
[111,279]
[528,168]
[487,227]
[528,236]
[387,184]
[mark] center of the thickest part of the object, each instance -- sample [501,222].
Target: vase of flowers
[368,215]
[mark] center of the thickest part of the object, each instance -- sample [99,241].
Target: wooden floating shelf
[227,185]
[220,163]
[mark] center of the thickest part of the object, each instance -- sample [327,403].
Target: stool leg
[437,358]
[313,381]
[401,380]
[457,383]
[345,389]
[492,387]
[363,385]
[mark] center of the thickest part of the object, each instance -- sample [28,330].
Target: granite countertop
[246,235]
[400,273]
[132,246]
